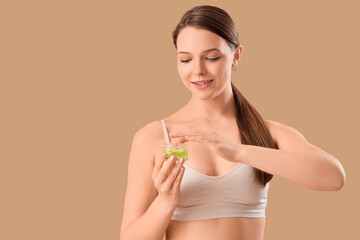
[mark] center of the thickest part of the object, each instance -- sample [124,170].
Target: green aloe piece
[177,152]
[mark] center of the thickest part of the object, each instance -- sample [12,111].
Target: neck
[222,106]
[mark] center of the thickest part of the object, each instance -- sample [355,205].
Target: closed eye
[210,59]
[213,59]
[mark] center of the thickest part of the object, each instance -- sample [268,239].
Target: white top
[233,194]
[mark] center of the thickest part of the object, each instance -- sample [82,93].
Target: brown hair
[252,128]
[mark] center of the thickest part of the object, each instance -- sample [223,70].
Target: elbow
[339,180]
[333,184]
[338,176]
[333,180]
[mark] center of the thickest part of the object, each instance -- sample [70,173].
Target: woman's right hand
[167,176]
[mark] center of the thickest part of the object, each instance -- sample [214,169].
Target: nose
[199,68]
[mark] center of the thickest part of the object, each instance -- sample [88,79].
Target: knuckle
[177,180]
[172,177]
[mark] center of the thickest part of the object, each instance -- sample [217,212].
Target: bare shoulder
[147,140]
[149,133]
[288,137]
[278,129]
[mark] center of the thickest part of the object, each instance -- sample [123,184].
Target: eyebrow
[207,50]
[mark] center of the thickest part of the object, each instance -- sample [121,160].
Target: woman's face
[205,61]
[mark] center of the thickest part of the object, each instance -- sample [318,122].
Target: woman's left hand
[217,143]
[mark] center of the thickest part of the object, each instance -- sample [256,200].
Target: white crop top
[233,194]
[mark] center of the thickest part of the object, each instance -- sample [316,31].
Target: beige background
[79,78]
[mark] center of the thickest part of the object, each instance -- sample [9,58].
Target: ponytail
[253,130]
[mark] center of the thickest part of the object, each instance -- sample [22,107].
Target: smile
[202,84]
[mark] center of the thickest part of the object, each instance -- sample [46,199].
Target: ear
[237,55]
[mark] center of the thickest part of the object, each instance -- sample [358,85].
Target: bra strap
[167,140]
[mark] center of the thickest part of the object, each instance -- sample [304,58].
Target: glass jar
[178,150]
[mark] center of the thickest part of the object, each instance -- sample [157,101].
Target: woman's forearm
[315,170]
[152,225]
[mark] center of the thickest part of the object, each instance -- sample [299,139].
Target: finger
[173,174]
[166,168]
[158,164]
[178,179]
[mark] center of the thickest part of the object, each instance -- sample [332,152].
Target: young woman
[221,190]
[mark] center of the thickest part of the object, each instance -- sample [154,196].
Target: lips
[202,84]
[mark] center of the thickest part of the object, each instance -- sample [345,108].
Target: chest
[234,186]
[204,160]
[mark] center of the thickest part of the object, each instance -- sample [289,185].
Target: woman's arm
[148,209]
[296,160]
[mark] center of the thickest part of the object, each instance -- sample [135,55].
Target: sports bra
[233,194]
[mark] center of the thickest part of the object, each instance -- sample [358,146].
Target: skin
[208,126]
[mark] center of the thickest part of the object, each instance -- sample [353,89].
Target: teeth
[202,83]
